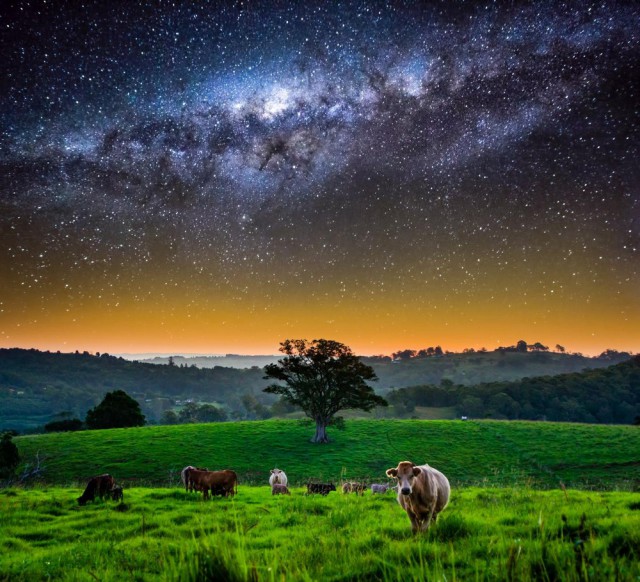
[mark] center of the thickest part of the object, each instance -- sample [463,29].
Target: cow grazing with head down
[224,483]
[321,488]
[99,486]
[423,492]
[277,489]
[278,477]
[354,487]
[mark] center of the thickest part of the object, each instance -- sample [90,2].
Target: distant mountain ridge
[211,361]
[467,368]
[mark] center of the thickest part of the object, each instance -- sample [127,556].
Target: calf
[116,493]
[378,488]
[321,488]
[423,492]
[277,489]
[279,477]
[100,485]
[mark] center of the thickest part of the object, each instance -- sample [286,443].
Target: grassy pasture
[168,534]
[501,523]
[481,453]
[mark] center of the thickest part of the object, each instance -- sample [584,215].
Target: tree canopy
[9,456]
[117,410]
[322,377]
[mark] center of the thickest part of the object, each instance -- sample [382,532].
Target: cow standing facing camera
[423,492]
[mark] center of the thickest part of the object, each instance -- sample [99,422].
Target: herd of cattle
[423,492]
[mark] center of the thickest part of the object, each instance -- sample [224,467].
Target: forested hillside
[36,385]
[607,395]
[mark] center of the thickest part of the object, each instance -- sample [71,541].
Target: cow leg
[427,522]
[415,524]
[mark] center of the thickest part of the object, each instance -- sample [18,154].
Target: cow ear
[416,471]
[272,471]
[392,472]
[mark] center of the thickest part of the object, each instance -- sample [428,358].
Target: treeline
[521,347]
[606,395]
[36,386]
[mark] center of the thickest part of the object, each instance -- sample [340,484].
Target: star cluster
[212,176]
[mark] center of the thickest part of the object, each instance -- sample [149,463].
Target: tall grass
[167,534]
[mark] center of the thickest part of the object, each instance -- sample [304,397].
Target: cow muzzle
[406,490]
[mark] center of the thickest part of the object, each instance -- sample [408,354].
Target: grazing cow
[116,493]
[184,475]
[379,488]
[321,488]
[99,485]
[353,487]
[423,492]
[277,489]
[279,477]
[223,483]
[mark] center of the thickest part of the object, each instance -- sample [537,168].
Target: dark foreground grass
[168,534]
[484,453]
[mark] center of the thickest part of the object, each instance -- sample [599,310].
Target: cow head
[405,473]
[276,475]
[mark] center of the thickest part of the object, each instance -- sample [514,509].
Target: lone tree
[117,410]
[322,377]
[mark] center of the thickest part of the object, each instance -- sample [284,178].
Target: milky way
[421,165]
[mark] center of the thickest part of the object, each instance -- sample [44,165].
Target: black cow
[116,493]
[100,485]
[321,488]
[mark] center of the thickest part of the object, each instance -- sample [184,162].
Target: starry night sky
[216,177]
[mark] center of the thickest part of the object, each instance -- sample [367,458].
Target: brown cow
[184,475]
[423,492]
[277,489]
[99,485]
[354,487]
[218,482]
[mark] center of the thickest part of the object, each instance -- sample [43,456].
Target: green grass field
[530,501]
[509,534]
[481,453]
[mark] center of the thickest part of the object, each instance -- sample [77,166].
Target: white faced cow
[423,492]
[278,477]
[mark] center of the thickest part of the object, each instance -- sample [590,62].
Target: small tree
[9,456]
[117,410]
[169,417]
[322,377]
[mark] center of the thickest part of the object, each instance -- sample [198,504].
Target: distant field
[487,453]
[511,534]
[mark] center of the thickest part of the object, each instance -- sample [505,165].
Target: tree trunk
[321,432]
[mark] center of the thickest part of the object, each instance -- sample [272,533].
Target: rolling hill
[486,453]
